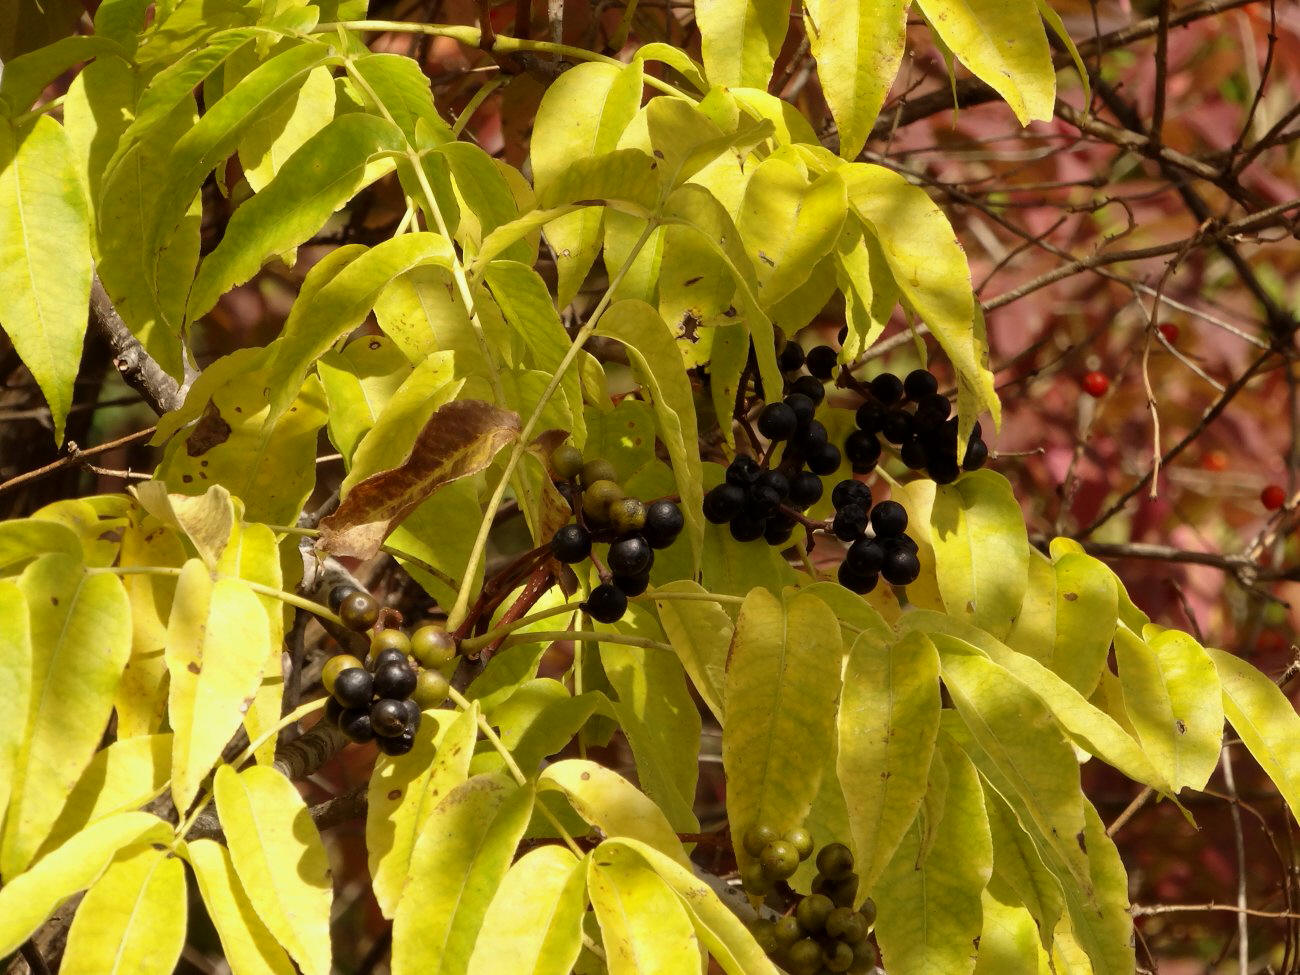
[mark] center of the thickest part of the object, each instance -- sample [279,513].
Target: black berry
[805,490]
[663,523]
[723,502]
[355,724]
[388,717]
[919,383]
[778,530]
[571,544]
[339,593]
[395,680]
[865,556]
[398,744]
[630,556]
[887,388]
[745,528]
[977,454]
[897,426]
[824,459]
[413,715]
[743,471]
[821,361]
[777,421]
[850,522]
[913,453]
[803,407]
[863,451]
[606,604]
[870,416]
[777,481]
[932,410]
[762,501]
[633,585]
[942,470]
[889,518]
[809,386]
[385,657]
[359,611]
[791,357]
[352,687]
[858,582]
[849,491]
[811,437]
[901,566]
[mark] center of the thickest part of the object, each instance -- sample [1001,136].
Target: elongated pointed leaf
[29,898]
[405,790]
[981,550]
[80,628]
[1172,696]
[888,725]
[329,169]
[207,521]
[536,917]
[1018,866]
[271,142]
[217,645]
[643,926]
[15,674]
[657,363]
[858,45]
[1004,45]
[1008,941]
[613,804]
[459,861]
[128,923]
[929,902]
[741,38]
[700,631]
[783,680]
[22,539]
[249,948]
[44,257]
[279,859]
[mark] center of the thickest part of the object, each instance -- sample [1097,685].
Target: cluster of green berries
[381,698]
[926,435]
[633,529]
[821,932]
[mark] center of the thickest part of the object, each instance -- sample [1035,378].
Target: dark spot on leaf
[187,478]
[766,260]
[211,431]
[1083,845]
[375,344]
[695,280]
[1180,725]
[54,600]
[394,795]
[193,667]
[659,154]
[730,312]
[689,326]
[585,776]
[203,463]
[1070,597]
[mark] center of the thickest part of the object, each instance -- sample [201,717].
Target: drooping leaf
[981,550]
[783,681]
[26,76]
[274,138]
[643,926]
[45,264]
[612,804]
[403,793]
[536,916]
[1008,941]
[29,898]
[700,631]
[249,948]
[80,625]
[929,901]
[460,439]
[128,923]
[740,39]
[217,645]
[1018,867]
[888,725]
[1264,720]
[207,520]
[858,45]
[1172,696]
[279,859]
[459,861]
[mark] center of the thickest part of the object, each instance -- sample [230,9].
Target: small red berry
[1272,497]
[1170,331]
[1215,460]
[1095,384]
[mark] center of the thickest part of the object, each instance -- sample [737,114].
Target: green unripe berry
[627,515]
[804,957]
[566,461]
[335,666]
[433,646]
[802,842]
[837,956]
[359,611]
[788,930]
[868,911]
[599,498]
[764,932]
[390,640]
[779,859]
[813,911]
[431,689]
[756,839]
[864,957]
[754,880]
[846,924]
[843,890]
[834,860]
[597,470]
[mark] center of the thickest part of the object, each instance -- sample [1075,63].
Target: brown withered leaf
[460,439]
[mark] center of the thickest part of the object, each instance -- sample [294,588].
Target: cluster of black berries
[887,552]
[926,436]
[821,932]
[634,529]
[381,698]
[751,500]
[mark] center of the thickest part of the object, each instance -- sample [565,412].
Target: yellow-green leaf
[404,791]
[279,859]
[1172,696]
[217,645]
[981,550]
[207,520]
[783,681]
[929,901]
[536,917]
[130,922]
[273,139]
[249,948]
[888,725]
[740,39]
[459,861]
[80,626]
[1018,868]
[700,631]
[858,45]
[1004,45]
[29,898]
[44,257]
[1265,721]
[16,675]
[22,539]
[643,926]
[1008,941]
[613,804]
[358,382]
